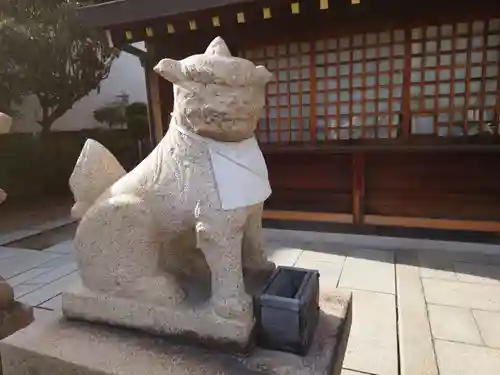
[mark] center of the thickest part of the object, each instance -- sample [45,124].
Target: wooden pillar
[358,188]
[154,98]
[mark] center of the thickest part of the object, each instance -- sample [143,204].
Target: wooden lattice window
[355,86]
[359,85]
[288,106]
[454,78]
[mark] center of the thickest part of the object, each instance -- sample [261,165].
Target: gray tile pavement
[429,309]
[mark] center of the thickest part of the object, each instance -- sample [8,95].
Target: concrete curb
[21,234]
[380,242]
[416,348]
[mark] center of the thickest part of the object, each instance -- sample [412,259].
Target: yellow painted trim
[295,7]
[192,25]
[240,17]
[266,13]
[323,4]
[216,21]
[170,28]
[149,31]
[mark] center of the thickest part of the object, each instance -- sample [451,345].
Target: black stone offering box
[287,310]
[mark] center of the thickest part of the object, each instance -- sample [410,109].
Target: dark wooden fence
[33,166]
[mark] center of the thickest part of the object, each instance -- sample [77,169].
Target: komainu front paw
[235,308]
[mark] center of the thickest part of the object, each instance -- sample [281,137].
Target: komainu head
[216,95]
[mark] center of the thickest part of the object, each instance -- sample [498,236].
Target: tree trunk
[139,149]
[45,128]
[45,122]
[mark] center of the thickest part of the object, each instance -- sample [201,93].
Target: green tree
[136,115]
[113,113]
[47,52]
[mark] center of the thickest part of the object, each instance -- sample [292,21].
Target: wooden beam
[392,221]
[491,145]
[141,54]
[428,223]
[120,12]
[308,216]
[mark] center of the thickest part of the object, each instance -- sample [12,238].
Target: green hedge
[33,166]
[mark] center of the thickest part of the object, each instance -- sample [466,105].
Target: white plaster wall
[126,75]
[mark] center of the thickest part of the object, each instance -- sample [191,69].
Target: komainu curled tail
[95,171]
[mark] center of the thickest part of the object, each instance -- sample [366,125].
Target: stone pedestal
[192,324]
[14,318]
[77,348]
[13,315]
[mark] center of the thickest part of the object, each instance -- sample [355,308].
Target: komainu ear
[170,69]
[262,75]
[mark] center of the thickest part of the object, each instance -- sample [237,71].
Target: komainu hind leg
[118,252]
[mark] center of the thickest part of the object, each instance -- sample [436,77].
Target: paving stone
[372,345]
[351,372]
[65,247]
[17,235]
[60,260]
[340,249]
[8,252]
[436,266]
[53,224]
[453,324]
[45,315]
[329,273]
[49,291]
[464,256]
[283,256]
[370,270]
[415,340]
[54,303]
[473,296]
[55,273]
[317,256]
[14,266]
[28,275]
[477,273]
[465,359]
[489,326]
[23,289]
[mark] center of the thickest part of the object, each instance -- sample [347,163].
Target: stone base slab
[186,323]
[78,348]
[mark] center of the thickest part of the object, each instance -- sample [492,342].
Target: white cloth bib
[240,171]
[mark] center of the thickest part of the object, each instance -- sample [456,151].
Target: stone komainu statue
[202,187]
